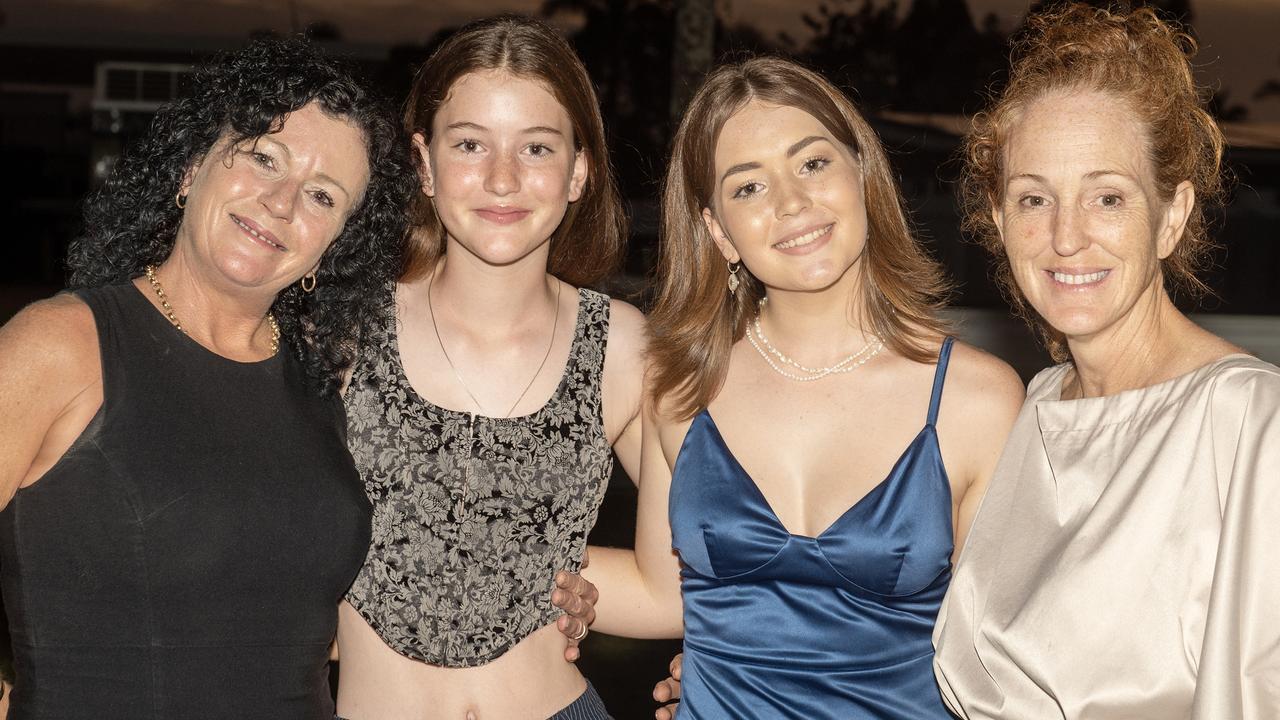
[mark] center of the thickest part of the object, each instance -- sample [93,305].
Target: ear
[997,217]
[184,186]
[578,181]
[427,178]
[1173,221]
[720,237]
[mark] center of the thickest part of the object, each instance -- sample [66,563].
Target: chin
[1075,324]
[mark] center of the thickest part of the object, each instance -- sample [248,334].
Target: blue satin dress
[788,626]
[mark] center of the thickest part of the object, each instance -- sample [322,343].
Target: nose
[790,198]
[503,177]
[280,198]
[1069,232]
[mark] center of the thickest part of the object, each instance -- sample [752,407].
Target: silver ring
[582,634]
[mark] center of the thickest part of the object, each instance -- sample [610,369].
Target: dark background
[915,67]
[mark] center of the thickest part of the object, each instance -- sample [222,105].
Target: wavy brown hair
[1143,61]
[695,321]
[588,244]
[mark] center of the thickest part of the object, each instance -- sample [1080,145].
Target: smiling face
[501,166]
[1081,220]
[261,214]
[787,199]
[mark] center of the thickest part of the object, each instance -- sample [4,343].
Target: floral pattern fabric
[473,515]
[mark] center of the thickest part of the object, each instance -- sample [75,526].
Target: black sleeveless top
[184,559]
[473,515]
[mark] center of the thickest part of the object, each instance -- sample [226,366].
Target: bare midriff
[531,681]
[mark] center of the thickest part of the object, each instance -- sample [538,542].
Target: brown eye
[746,190]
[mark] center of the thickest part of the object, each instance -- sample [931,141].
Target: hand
[577,598]
[668,690]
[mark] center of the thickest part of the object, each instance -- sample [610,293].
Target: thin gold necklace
[555,322]
[150,271]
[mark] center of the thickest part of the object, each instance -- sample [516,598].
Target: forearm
[634,603]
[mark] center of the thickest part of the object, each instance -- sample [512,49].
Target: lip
[812,239]
[502,215]
[257,233]
[1081,278]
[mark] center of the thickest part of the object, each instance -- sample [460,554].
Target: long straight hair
[695,321]
[588,244]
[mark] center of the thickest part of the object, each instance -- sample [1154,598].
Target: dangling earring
[180,200]
[308,286]
[733,277]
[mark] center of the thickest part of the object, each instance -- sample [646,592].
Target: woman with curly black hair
[182,515]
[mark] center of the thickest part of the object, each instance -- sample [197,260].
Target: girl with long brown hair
[483,411]
[814,445]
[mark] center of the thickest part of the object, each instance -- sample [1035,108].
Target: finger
[663,713]
[662,692]
[571,628]
[564,600]
[571,653]
[677,663]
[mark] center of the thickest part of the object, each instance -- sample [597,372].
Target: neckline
[1055,414]
[876,489]
[1055,389]
[402,377]
[191,343]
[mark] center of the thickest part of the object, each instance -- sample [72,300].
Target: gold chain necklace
[150,272]
[555,322]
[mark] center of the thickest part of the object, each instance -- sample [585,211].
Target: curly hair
[132,221]
[587,246]
[1138,58]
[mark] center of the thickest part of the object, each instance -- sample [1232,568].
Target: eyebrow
[1099,173]
[535,130]
[791,151]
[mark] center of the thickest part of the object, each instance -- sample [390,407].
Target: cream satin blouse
[1123,564]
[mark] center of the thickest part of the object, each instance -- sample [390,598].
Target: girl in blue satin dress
[814,446]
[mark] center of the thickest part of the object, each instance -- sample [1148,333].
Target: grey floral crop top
[473,515]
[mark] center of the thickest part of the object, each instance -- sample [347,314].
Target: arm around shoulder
[640,588]
[50,386]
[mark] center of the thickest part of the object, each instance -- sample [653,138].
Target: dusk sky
[1239,50]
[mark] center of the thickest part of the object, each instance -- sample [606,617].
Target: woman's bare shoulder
[976,376]
[55,333]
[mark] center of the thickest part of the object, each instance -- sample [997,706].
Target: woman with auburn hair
[1120,565]
[485,404]
[800,451]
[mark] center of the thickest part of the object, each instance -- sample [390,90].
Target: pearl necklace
[150,272]
[848,364]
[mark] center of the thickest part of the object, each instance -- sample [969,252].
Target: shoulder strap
[591,333]
[939,377]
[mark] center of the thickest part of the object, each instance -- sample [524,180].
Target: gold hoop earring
[308,287]
[733,277]
[180,200]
